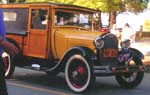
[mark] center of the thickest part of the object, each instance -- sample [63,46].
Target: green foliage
[117,6]
[36,0]
[136,5]
[103,5]
[124,5]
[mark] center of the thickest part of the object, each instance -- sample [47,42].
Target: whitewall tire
[78,73]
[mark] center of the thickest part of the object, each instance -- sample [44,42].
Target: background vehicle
[105,28]
[57,38]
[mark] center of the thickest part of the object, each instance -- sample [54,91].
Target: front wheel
[131,79]
[9,66]
[78,73]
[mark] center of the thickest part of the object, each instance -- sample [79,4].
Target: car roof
[55,4]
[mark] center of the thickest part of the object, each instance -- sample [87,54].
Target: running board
[36,67]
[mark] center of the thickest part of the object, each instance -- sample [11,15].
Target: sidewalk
[143,45]
[146,60]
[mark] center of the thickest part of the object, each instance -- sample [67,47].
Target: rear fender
[16,58]
[13,42]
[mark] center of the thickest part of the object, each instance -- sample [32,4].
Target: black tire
[131,79]
[9,66]
[79,74]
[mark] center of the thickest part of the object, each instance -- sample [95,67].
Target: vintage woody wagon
[55,38]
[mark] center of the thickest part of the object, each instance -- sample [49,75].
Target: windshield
[71,18]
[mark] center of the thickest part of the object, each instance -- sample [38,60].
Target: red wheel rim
[78,74]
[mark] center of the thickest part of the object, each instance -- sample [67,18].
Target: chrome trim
[97,41]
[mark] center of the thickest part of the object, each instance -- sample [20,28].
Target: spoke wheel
[78,74]
[130,79]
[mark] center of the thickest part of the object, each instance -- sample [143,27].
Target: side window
[73,19]
[63,18]
[38,19]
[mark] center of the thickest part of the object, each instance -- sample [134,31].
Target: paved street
[29,82]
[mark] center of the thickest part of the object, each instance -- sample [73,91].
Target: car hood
[82,38]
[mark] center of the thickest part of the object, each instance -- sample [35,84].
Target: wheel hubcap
[78,75]
[130,77]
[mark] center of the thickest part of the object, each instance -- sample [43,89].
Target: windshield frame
[75,12]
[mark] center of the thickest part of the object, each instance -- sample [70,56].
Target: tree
[12,1]
[117,6]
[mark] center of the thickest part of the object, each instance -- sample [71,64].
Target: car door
[38,31]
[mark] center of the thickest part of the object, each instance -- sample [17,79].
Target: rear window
[16,20]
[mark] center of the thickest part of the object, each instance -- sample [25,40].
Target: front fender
[86,52]
[136,53]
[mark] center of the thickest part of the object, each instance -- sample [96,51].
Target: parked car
[63,39]
[105,28]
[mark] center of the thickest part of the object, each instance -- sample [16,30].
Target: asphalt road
[30,82]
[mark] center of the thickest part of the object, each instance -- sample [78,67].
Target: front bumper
[107,70]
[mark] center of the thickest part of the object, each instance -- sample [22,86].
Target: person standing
[7,47]
[128,33]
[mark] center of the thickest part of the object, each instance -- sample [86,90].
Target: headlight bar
[99,41]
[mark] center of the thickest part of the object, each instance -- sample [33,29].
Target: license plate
[109,52]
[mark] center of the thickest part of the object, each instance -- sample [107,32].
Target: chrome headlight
[125,44]
[99,43]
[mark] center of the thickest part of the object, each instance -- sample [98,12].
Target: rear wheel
[78,73]
[9,66]
[130,79]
